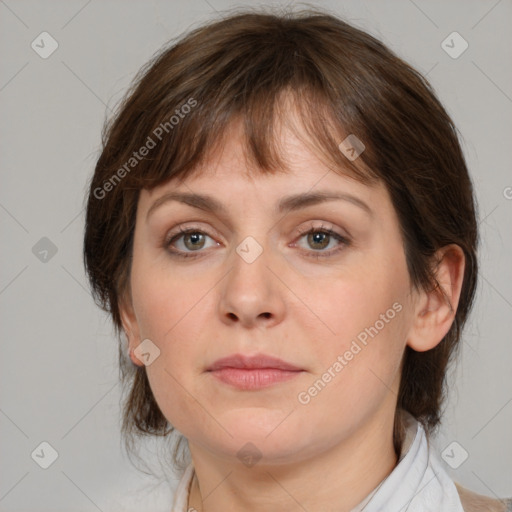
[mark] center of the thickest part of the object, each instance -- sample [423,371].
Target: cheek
[356,306]
[359,367]
[170,313]
[365,319]
[173,322]
[164,298]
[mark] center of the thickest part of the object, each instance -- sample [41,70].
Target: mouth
[253,372]
[256,378]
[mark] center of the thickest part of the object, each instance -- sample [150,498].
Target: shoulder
[473,502]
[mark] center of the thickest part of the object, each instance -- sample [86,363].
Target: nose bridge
[251,292]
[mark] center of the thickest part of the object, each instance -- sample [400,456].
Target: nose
[252,294]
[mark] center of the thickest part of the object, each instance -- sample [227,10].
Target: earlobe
[135,360]
[435,309]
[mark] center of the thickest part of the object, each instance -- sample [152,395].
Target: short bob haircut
[342,81]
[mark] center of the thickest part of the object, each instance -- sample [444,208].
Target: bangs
[252,96]
[258,124]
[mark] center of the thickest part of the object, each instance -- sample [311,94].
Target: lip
[258,361]
[253,372]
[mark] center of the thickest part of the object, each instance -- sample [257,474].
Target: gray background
[59,380]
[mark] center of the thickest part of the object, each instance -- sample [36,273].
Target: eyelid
[344,240]
[179,230]
[178,233]
[321,227]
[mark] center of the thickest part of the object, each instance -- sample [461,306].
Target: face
[319,284]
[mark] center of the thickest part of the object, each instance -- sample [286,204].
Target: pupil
[193,239]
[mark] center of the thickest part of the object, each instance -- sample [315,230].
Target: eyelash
[345,242]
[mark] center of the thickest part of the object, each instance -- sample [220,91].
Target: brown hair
[343,81]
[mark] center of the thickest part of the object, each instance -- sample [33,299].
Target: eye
[319,238]
[187,240]
[190,242]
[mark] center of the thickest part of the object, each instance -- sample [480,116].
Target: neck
[343,475]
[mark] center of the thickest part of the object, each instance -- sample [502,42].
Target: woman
[292,258]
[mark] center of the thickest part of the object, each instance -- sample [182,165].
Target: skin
[324,455]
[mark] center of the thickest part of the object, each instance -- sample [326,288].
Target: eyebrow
[286,204]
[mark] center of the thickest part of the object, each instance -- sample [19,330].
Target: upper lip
[252,362]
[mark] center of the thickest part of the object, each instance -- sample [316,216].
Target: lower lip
[256,378]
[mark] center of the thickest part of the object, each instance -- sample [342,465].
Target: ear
[130,327]
[434,311]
